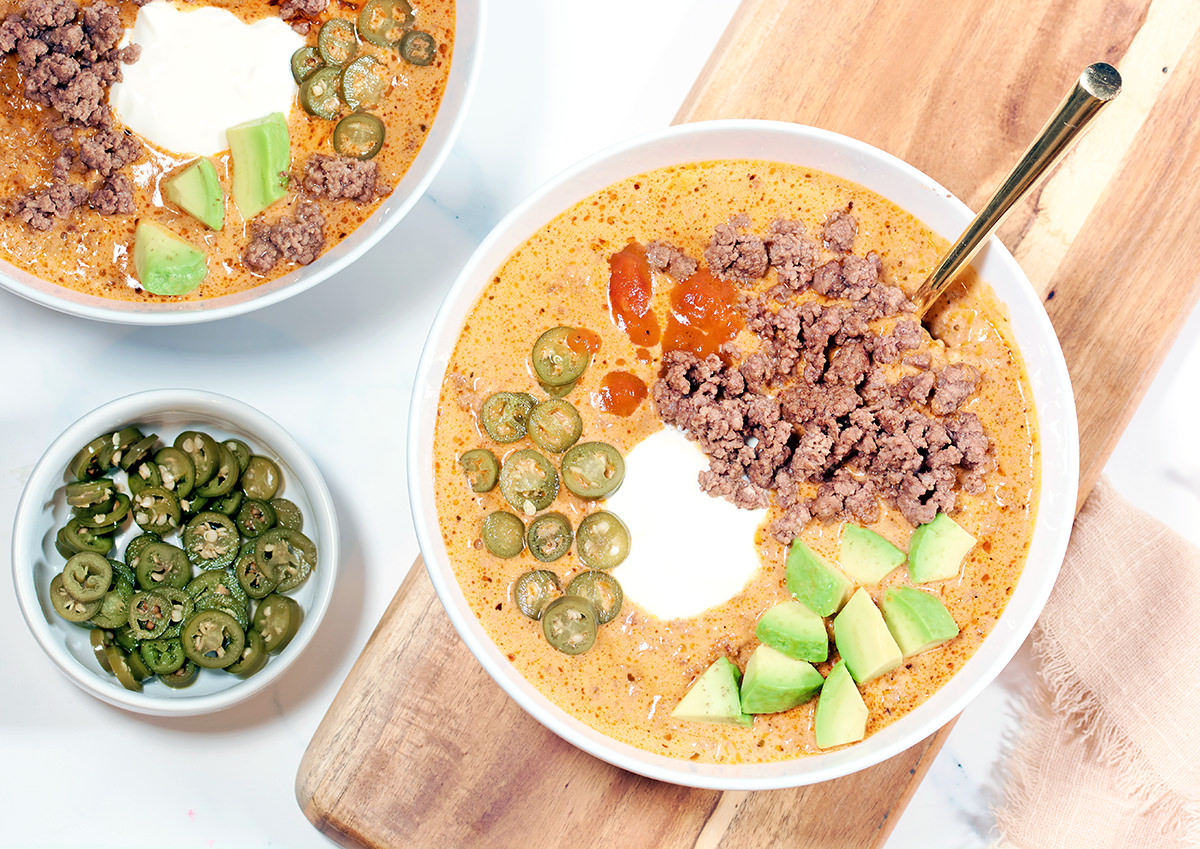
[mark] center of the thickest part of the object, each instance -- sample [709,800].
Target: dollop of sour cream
[200,72]
[688,550]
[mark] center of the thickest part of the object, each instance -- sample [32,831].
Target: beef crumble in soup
[733,251]
[75,183]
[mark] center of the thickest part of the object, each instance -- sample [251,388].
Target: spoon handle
[1097,85]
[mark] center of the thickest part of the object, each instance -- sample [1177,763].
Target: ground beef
[301,13]
[736,255]
[838,231]
[813,416]
[67,58]
[792,254]
[341,178]
[664,257]
[299,240]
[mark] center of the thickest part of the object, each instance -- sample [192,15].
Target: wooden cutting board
[420,748]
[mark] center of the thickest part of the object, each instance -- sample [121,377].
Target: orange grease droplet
[620,393]
[702,316]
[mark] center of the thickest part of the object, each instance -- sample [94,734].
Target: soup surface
[641,665]
[86,243]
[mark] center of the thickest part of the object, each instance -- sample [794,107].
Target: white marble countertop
[334,365]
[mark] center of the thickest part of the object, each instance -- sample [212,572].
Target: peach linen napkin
[1108,753]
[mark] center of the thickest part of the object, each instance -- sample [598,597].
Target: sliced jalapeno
[287,514]
[555,425]
[262,478]
[138,666]
[87,576]
[254,517]
[101,639]
[204,452]
[211,541]
[256,581]
[359,134]
[229,503]
[364,83]
[114,607]
[157,510]
[135,547]
[560,356]
[213,639]
[108,515]
[602,590]
[85,494]
[182,677]
[75,537]
[176,471]
[240,450]
[305,61]
[118,444]
[593,469]
[481,468]
[528,481]
[534,590]
[570,623]
[549,537]
[277,619]
[88,462]
[503,534]
[160,564]
[253,657]
[319,94]
[149,615]
[162,656]
[505,415]
[118,662]
[182,607]
[418,48]
[142,476]
[337,41]
[69,607]
[225,475]
[383,22]
[138,452]
[602,540]
[219,589]
[288,555]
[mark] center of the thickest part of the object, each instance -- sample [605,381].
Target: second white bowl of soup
[747,390]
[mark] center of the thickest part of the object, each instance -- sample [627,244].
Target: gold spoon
[1097,85]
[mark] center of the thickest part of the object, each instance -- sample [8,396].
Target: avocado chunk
[713,697]
[197,191]
[791,628]
[937,549]
[165,264]
[841,712]
[261,158]
[816,582]
[917,620]
[865,556]
[863,639]
[775,682]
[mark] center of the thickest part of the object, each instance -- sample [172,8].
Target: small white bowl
[464,69]
[43,510]
[940,210]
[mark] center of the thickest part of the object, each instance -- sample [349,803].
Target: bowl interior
[43,510]
[911,190]
[469,16]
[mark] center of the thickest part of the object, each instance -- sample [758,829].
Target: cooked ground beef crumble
[813,407]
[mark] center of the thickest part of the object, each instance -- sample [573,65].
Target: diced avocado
[261,158]
[165,264]
[937,549]
[791,628]
[863,639]
[775,682]
[713,697]
[841,712]
[916,619]
[197,191]
[865,556]
[815,582]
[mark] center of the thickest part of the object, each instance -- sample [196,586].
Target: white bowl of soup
[142,209]
[737,225]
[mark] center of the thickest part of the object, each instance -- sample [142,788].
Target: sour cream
[202,71]
[688,551]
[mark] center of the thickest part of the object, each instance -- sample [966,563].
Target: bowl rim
[47,476]
[1058,455]
[470,23]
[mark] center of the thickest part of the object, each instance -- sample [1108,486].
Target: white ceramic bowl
[911,190]
[43,510]
[469,24]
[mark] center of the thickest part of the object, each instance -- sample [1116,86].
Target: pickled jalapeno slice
[288,555]
[262,478]
[555,425]
[240,450]
[549,537]
[602,590]
[157,510]
[162,656]
[138,452]
[319,93]
[418,48]
[337,42]
[602,540]
[503,534]
[593,469]
[225,474]
[204,452]
[88,462]
[160,564]
[570,623]
[109,515]
[118,662]
[277,618]
[69,607]
[481,468]
[211,541]
[182,677]
[359,135]
[534,590]
[175,470]
[253,657]
[383,22]
[149,615]
[364,83]
[287,514]
[305,62]
[505,415]
[87,576]
[256,581]
[254,517]
[213,639]
[528,481]
[560,356]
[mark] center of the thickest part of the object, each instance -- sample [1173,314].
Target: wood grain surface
[420,748]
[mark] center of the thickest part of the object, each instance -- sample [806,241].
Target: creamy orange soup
[628,683]
[92,253]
